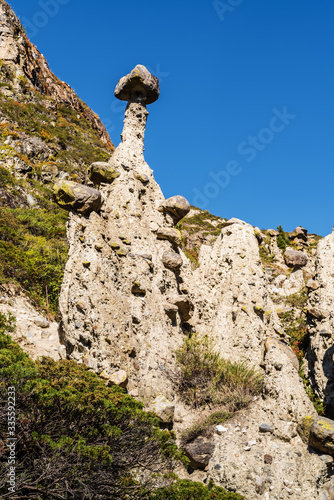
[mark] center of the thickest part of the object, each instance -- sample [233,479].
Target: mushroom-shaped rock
[101,171]
[139,85]
[177,206]
[172,260]
[83,199]
[170,234]
[163,408]
[295,258]
[277,344]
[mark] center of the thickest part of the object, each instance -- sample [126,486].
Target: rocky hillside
[222,329]
[46,133]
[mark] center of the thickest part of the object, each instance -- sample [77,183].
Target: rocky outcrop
[130,294]
[321,324]
[22,59]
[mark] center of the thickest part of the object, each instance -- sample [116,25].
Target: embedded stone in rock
[83,199]
[295,258]
[119,378]
[177,206]
[172,260]
[171,310]
[101,171]
[170,234]
[163,408]
[199,452]
[317,432]
[185,307]
[266,428]
[277,344]
[41,322]
[139,85]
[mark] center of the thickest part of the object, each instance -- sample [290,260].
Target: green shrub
[188,490]
[207,379]
[282,239]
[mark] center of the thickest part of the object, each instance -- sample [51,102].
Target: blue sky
[244,123]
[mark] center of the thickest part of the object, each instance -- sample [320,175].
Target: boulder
[170,234]
[172,260]
[101,171]
[199,452]
[139,85]
[317,432]
[299,233]
[41,322]
[295,258]
[83,199]
[184,305]
[163,408]
[277,344]
[177,206]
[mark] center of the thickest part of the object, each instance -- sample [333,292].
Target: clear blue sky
[244,123]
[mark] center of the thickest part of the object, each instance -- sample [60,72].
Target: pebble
[220,429]
[266,428]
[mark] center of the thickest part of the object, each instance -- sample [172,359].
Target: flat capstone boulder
[139,85]
[177,206]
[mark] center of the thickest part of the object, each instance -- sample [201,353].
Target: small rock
[172,260]
[199,452]
[119,378]
[83,199]
[266,428]
[170,234]
[41,322]
[101,171]
[268,459]
[220,429]
[163,408]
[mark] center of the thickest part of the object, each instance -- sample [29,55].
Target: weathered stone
[304,427]
[163,408]
[315,312]
[172,260]
[170,234]
[41,322]
[312,284]
[82,199]
[199,452]
[171,310]
[295,258]
[102,172]
[321,436]
[177,206]
[299,233]
[139,86]
[272,233]
[231,221]
[184,305]
[277,344]
[118,378]
[266,428]
[49,172]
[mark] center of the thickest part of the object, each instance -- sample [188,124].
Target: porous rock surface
[321,317]
[124,310]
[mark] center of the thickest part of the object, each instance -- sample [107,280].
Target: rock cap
[139,85]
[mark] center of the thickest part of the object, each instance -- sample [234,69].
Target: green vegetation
[282,239]
[207,380]
[33,251]
[187,490]
[78,438]
[267,258]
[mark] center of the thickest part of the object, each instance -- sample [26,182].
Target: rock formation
[130,295]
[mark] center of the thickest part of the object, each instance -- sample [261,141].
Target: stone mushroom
[138,86]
